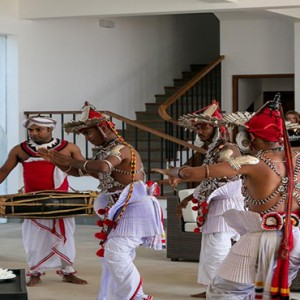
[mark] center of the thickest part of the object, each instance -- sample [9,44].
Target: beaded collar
[276,149]
[35,147]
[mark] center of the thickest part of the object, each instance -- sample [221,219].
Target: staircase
[155,132]
[150,116]
[201,95]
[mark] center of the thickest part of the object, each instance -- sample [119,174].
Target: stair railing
[192,91]
[197,93]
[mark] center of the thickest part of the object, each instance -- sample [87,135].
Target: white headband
[39,121]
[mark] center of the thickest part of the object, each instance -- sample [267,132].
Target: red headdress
[210,114]
[266,124]
[89,118]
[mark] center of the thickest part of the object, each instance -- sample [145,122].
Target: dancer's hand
[183,204]
[173,181]
[55,157]
[179,208]
[44,153]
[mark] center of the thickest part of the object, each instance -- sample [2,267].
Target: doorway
[287,99]
[251,91]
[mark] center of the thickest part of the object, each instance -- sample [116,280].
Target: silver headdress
[209,115]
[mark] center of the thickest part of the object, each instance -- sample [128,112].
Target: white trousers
[214,248]
[120,278]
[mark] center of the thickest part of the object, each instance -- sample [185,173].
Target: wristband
[66,171]
[179,170]
[84,166]
[207,172]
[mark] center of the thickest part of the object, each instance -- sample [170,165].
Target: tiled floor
[164,279]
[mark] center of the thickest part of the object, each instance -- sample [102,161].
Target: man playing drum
[48,244]
[129,213]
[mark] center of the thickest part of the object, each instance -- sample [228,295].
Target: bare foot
[34,280]
[200,295]
[73,279]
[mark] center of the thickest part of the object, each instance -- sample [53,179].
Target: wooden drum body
[47,204]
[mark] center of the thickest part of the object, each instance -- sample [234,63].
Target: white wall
[249,91]
[254,47]
[9,8]
[13,113]
[63,62]
[252,90]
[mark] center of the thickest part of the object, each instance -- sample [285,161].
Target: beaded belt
[275,220]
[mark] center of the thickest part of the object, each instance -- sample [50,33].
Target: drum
[47,204]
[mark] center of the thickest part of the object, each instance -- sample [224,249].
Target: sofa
[182,242]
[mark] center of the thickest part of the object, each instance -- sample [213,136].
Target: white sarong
[46,247]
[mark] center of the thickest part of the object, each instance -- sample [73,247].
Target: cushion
[188,214]
[189,227]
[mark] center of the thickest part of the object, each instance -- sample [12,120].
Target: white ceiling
[37,9]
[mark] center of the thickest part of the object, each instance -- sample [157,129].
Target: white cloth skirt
[45,246]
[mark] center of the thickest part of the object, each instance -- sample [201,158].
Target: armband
[238,162]
[225,155]
[116,152]
[109,164]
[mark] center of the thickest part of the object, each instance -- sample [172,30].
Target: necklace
[109,142]
[50,145]
[281,189]
[276,149]
[104,150]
